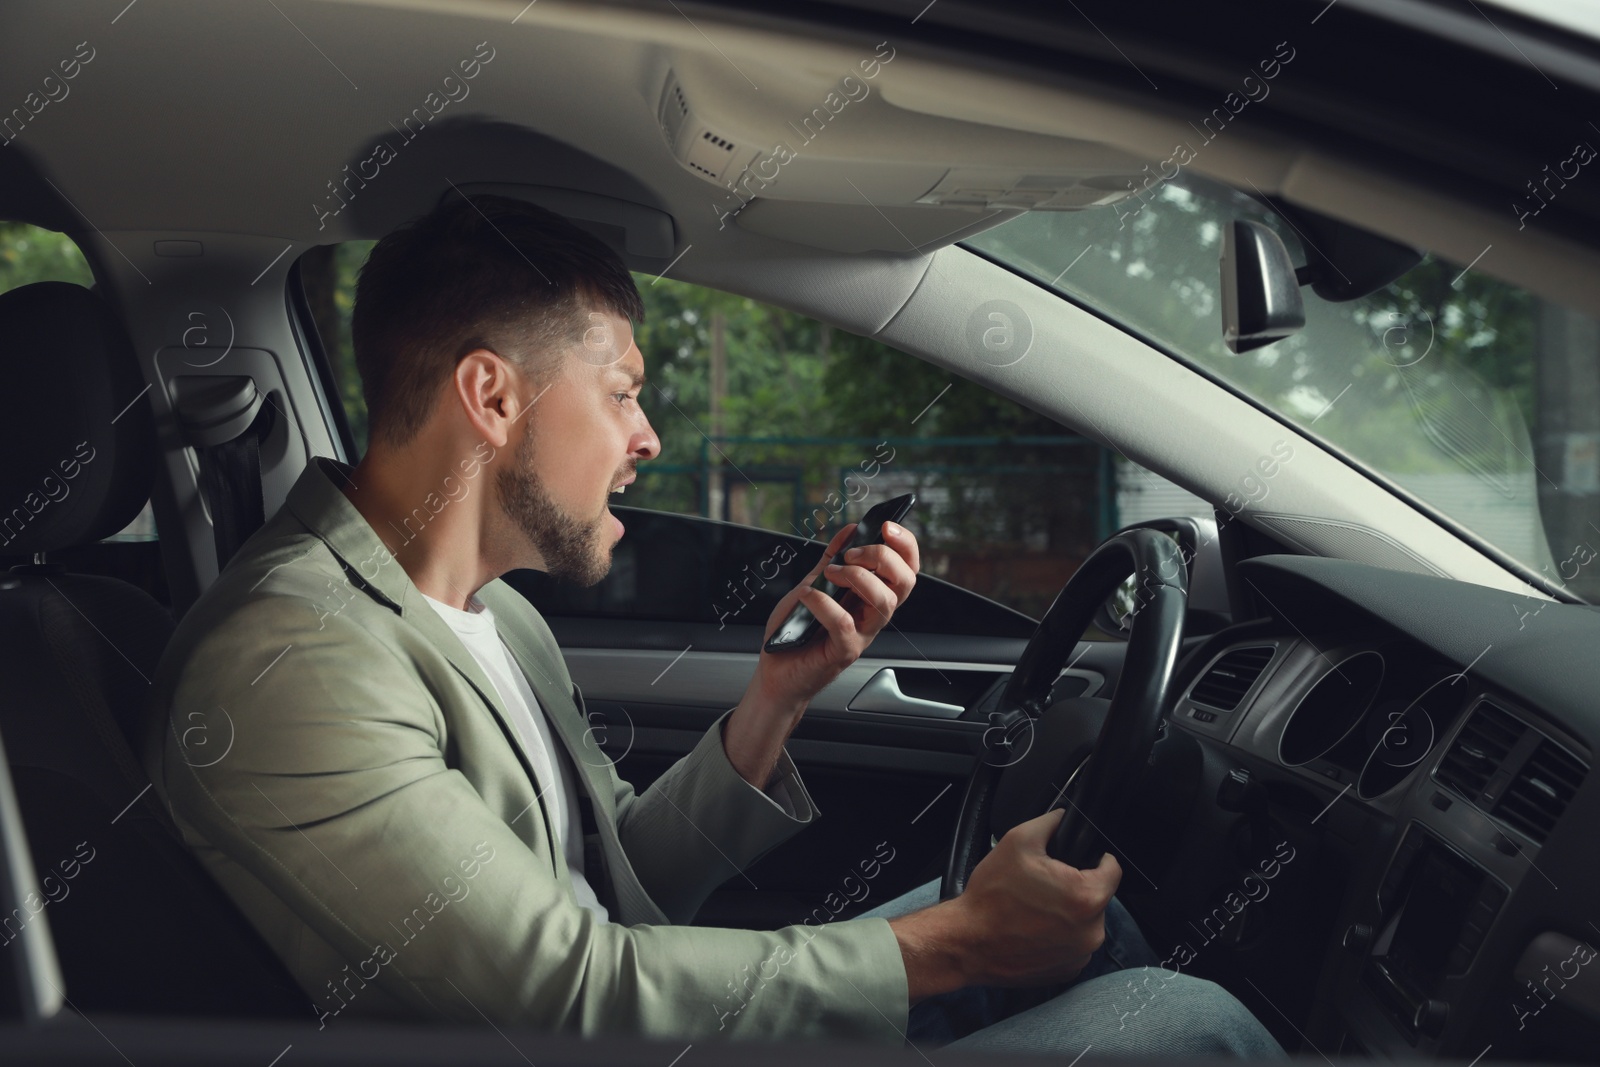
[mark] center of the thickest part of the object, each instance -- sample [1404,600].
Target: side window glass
[781,425]
[328,279]
[773,420]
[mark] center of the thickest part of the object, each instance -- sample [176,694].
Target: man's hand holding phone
[875,580]
[801,626]
[863,576]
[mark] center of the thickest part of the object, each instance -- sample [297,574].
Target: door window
[776,430]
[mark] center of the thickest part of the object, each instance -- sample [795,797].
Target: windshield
[1477,397]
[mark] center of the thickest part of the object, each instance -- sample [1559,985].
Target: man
[375,747]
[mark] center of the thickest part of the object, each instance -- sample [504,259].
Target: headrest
[76,437]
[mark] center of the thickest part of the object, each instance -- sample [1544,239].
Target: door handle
[882,693]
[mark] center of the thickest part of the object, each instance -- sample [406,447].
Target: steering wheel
[1100,746]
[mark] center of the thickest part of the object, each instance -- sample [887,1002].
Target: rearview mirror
[1260,293]
[1345,262]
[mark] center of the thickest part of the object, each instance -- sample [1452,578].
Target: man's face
[585,435]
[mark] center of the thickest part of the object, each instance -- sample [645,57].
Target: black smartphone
[801,626]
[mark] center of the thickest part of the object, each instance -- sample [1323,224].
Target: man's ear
[489,388]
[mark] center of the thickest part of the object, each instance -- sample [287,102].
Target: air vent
[1479,750]
[1230,678]
[1511,771]
[1542,790]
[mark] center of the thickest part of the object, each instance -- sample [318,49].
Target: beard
[569,545]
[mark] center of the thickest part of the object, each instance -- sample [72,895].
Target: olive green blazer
[341,765]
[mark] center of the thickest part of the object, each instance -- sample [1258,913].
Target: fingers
[893,569]
[840,538]
[898,552]
[1035,833]
[829,612]
[1102,880]
[881,599]
[903,542]
[881,576]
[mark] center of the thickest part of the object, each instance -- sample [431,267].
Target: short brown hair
[486,272]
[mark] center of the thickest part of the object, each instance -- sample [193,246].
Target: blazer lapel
[421,615]
[317,501]
[562,710]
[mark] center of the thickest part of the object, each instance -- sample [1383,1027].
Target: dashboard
[1448,729]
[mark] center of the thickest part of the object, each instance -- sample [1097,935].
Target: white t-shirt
[556,790]
[477,631]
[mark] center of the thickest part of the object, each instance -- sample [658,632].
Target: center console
[1436,907]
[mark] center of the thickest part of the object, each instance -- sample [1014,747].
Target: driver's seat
[138,924]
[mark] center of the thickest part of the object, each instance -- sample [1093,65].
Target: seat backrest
[138,924]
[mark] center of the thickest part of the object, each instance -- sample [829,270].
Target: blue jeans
[1122,1002]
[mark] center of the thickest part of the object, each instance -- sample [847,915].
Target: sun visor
[643,236]
[864,227]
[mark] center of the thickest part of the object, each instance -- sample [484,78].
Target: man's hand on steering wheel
[1025,919]
[1038,919]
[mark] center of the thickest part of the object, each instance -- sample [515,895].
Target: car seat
[139,926]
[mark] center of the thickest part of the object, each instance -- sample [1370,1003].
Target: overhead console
[820,158]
